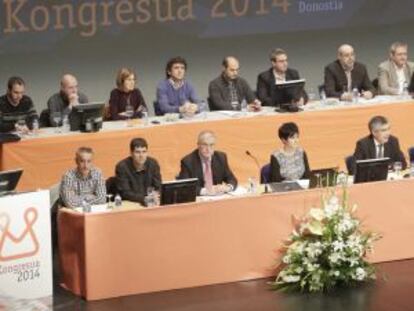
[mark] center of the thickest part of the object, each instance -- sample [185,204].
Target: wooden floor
[394,291]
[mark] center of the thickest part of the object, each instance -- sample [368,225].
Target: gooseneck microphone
[249,154]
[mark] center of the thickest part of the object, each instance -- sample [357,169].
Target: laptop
[325,177]
[284,186]
[9,180]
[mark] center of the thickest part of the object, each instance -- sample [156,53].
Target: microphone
[249,154]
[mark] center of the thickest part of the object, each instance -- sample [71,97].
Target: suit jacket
[127,180]
[275,169]
[268,94]
[191,167]
[365,149]
[335,79]
[388,80]
[219,95]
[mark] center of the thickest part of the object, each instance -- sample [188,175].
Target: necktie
[233,93]
[208,176]
[380,151]
[349,80]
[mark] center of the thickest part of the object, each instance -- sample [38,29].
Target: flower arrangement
[326,249]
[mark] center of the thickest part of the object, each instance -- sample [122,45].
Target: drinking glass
[57,118]
[129,112]
[397,166]
[109,200]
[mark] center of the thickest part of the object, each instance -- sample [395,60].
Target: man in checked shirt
[83,184]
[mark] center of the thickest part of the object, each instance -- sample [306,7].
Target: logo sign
[25,251]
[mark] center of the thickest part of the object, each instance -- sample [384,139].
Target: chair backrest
[375,83]
[111,187]
[411,154]
[265,174]
[157,110]
[44,118]
[106,113]
[350,164]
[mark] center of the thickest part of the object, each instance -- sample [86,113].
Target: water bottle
[65,124]
[118,201]
[203,109]
[86,207]
[149,200]
[323,97]
[355,95]
[252,185]
[244,106]
[145,117]
[412,169]
[405,92]
[35,127]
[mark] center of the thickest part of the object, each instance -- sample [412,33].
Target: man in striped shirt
[17,111]
[83,184]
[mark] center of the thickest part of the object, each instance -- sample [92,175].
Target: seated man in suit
[209,166]
[270,95]
[83,184]
[228,90]
[136,174]
[380,143]
[396,72]
[345,74]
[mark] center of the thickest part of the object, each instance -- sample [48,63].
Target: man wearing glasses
[379,143]
[279,73]
[209,166]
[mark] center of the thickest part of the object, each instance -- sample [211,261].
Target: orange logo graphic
[30,217]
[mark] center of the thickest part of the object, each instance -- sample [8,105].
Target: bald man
[63,102]
[228,90]
[345,74]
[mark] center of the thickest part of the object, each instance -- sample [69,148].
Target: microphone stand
[248,153]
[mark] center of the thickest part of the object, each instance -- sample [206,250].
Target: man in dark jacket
[209,166]
[345,74]
[380,143]
[268,92]
[138,173]
[229,90]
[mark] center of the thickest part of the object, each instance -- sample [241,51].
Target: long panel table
[123,253]
[327,136]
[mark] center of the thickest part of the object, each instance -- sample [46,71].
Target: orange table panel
[123,253]
[327,136]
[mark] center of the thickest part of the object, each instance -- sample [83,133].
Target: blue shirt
[170,99]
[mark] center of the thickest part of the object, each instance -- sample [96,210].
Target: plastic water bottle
[203,109]
[35,127]
[149,200]
[86,207]
[65,124]
[145,117]
[405,92]
[322,96]
[244,106]
[355,95]
[252,185]
[118,201]
[412,169]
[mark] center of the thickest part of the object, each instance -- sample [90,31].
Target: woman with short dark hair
[290,162]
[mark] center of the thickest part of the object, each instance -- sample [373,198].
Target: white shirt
[400,77]
[279,78]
